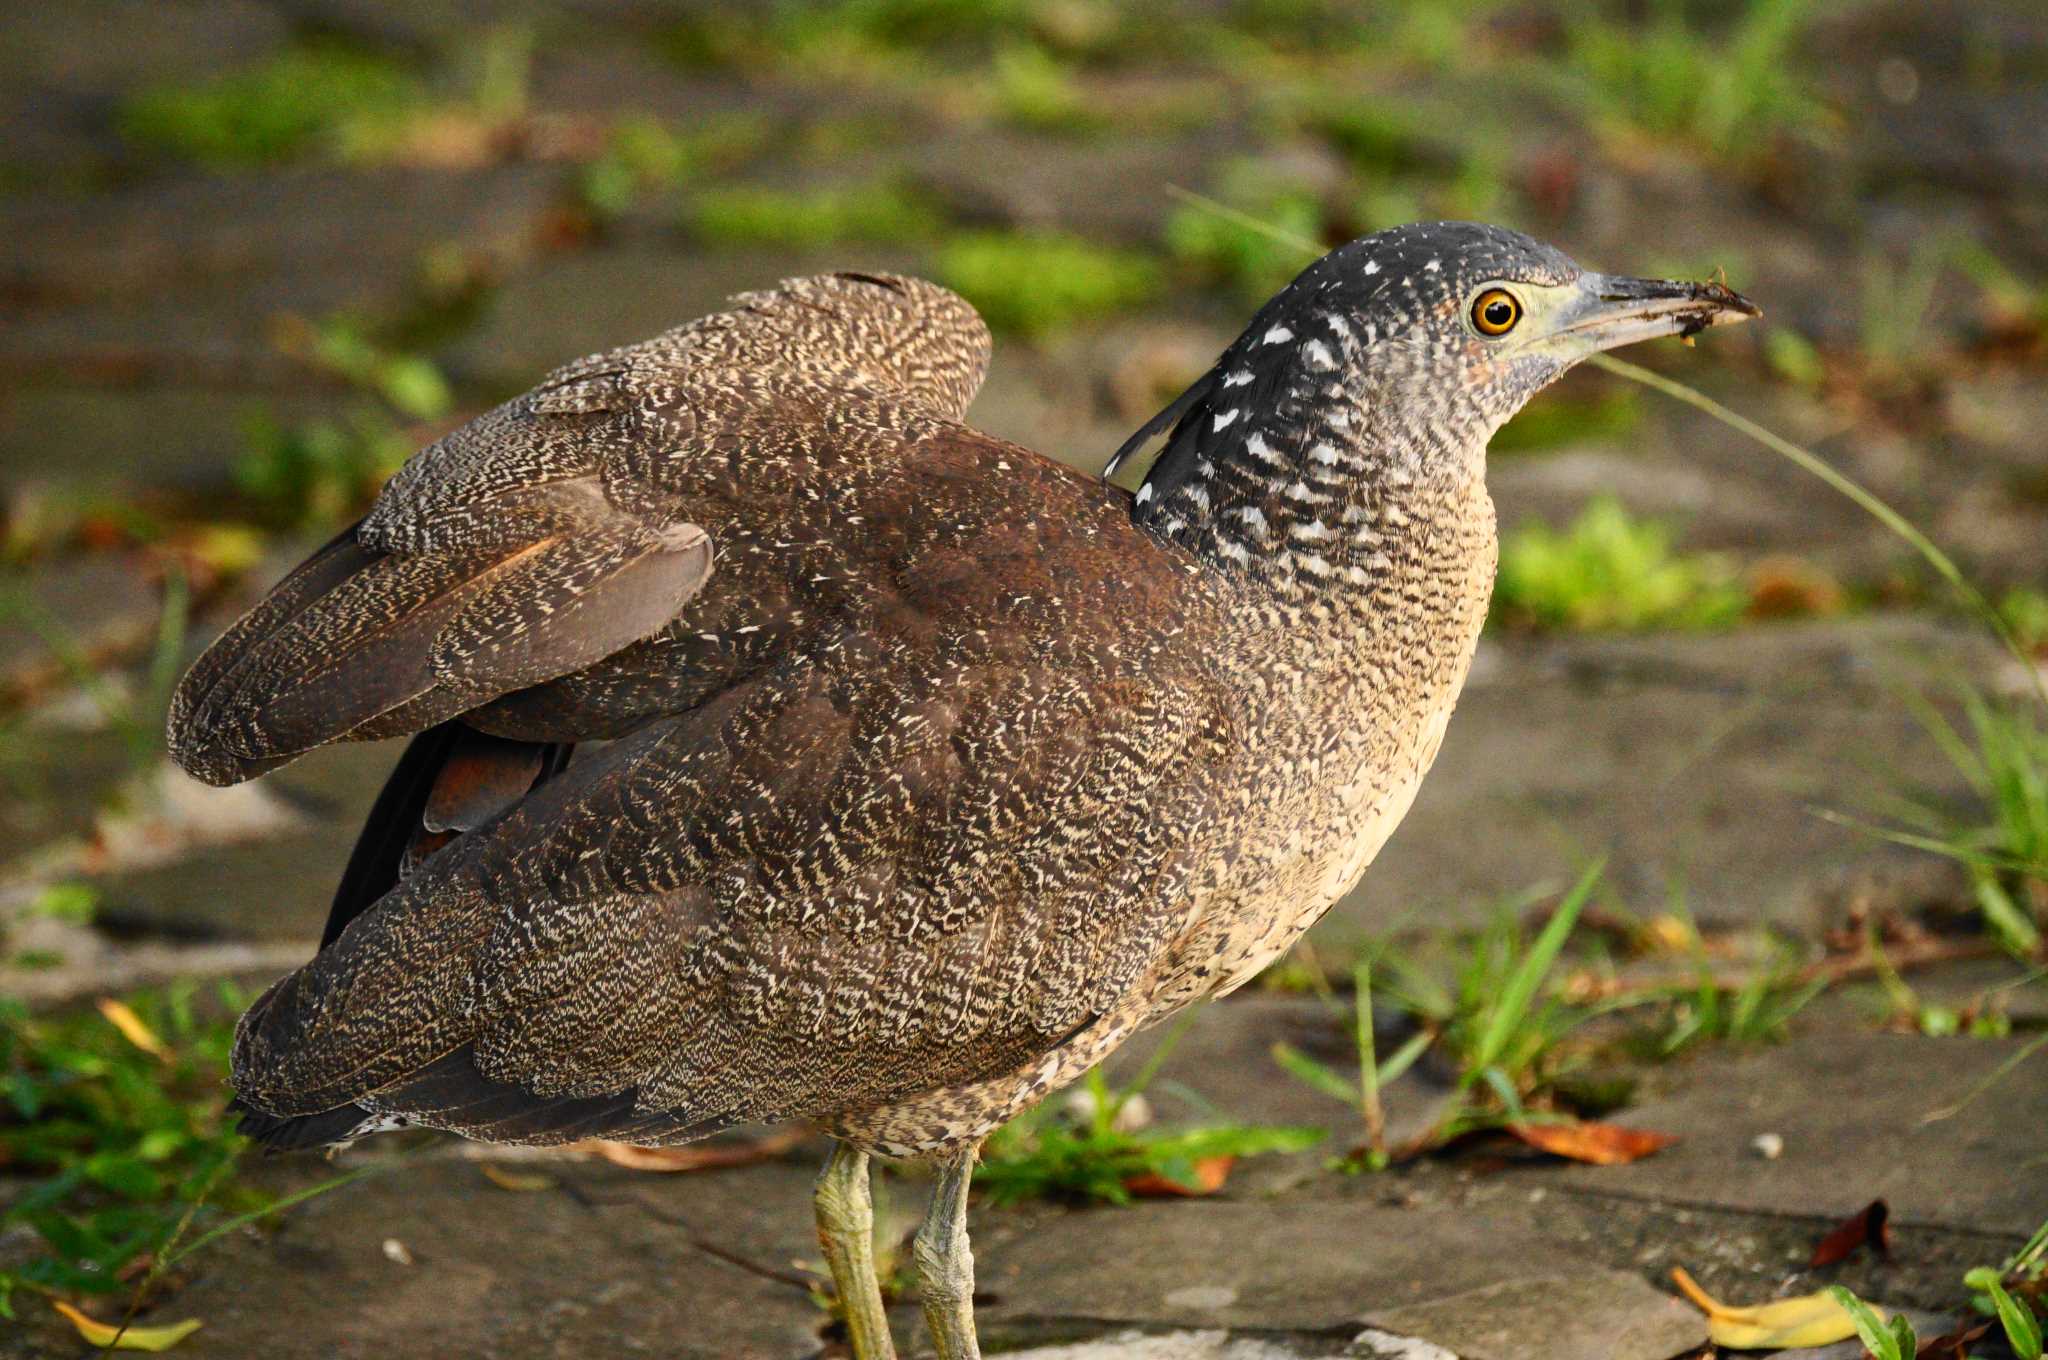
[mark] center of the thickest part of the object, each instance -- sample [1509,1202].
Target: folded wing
[574,521]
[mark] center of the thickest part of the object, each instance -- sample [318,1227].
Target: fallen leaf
[132,1029]
[1598,1144]
[1782,1324]
[516,1180]
[695,1156]
[1865,1226]
[1791,587]
[1669,934]
[1210,1173]
[100,1334]
[1953,1345]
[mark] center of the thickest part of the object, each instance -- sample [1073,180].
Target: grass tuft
[119,1115]
[296,103]
[1736,93]
[1609,570]
[1051,1153]
[1036,284]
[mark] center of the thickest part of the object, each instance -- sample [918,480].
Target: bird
[784,748]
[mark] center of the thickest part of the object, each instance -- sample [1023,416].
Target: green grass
[1511,1021]
[300,102]
[1895,299]
[1610,571]
[109,1145]
[1029,87]
[746,215]
[135,716]
[1381,140]
[2013,1294]
[1247,262]
[1982,1018]
[1050,1153]
[1500,1023]
[327,99]
[318,472]
[903,42]
[1036,284]
[1363,1092]
[645,157]
[1883,1338]
[2025,611]
[1561,419]
[1732,94]
[2001,752]
[1759,1009]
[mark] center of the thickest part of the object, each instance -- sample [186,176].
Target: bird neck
[1313,493]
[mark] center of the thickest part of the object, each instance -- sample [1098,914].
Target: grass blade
[1512,1008]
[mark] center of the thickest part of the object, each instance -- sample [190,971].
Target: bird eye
[1496,311]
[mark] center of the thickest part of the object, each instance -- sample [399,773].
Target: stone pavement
[142,304]
[1484,1259]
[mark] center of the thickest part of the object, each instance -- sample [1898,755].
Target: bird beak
[1612,310]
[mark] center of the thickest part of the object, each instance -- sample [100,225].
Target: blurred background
[254,254]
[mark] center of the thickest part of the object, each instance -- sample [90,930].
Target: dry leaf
[1210,1173]
[99,1334]
[1953,1345]
[1866,1226]
[1598,1144]
[132,1029]
[516,1180]
[695,1156]
[1669,934]
[1783,1324]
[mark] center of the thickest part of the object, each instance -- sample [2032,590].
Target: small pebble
[395,1250]
[1769,1146]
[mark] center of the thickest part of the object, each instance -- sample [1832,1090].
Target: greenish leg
[846,1230]
[946,1265]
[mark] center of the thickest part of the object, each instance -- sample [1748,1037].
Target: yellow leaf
[517,1180]
[132,1029]
[228,548]
[1671,934]
[1782,1324]
[127,1339]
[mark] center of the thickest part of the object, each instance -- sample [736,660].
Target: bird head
[1412,345]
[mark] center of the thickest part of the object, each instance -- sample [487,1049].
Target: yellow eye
[1496,311]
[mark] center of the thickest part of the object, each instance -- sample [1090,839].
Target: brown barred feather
[930,782]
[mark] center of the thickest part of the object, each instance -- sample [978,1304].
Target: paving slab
[78,435]
[477,1270]
[1181,1345]
[1309,1261]
[1852,1107]
[180,232]
[1440,1259]
[274,889]
[1590,1315]
[1698,762]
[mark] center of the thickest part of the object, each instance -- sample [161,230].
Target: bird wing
[576,520]
[916,850]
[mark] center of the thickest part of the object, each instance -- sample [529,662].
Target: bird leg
[946,1265]
[846,1230]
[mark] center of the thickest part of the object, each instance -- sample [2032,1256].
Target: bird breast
[1349,723]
